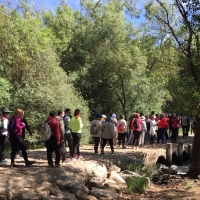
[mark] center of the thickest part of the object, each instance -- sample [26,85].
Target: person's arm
[27,126]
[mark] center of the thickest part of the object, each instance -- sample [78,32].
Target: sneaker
[73,159]
[29,163]
[13,165]
[80,156]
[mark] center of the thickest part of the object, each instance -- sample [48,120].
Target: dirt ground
[176,188]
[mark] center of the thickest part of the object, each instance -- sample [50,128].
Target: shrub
[137,184]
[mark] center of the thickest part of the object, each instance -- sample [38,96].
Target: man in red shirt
[175,125]
[53,143]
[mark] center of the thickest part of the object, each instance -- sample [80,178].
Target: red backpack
[120,128]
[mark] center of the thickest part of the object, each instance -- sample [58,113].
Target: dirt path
[180,188]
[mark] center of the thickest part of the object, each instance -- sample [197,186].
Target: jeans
[104,142]
[136,137]
[76,143]
[151,140]
[121,138]
[68,137]
[52,146]
[146,137]
[185,130]
[96,143]
[17,141]
[174,134]
[3,143]
[161,135]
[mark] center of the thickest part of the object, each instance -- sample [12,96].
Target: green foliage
[134,167]
[137,184]
[36,83]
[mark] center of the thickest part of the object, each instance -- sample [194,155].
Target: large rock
[118,187]
[100,171]
[95,182]
[111,167]
[117,178]
[104,194]
[73,186]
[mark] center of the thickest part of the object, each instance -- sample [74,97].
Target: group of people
[16,127]
[64,128]
[139,130]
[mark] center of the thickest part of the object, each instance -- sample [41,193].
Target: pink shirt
[139,125]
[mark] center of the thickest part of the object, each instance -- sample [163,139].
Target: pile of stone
[83,180]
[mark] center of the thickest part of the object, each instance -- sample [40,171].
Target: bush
[137,184]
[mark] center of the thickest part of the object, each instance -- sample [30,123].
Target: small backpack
[120,128]
[93,129]
[135,123]
[11,126]
[45,132]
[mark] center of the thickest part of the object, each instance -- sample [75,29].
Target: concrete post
[169,153]
[189,151]
[180,153]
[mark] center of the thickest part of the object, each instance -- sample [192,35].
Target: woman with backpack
[107,135]
[122,131]
[16,139]
[4,134]
[137,129]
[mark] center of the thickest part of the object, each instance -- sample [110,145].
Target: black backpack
[135,123]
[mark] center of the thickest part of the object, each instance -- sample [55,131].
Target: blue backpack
[11,126]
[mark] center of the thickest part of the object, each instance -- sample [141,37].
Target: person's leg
[3,143]
[158,136]
[120,138]
[22,147]
[50,149]
[186,130]
[57,151]
[13,148]
[163,135]
[104,141]
[78,143]
[96,144]
[111,145]
[75,139]
[123,139]
[69,139]
[137,135]
[130,140]
[183,130]
[63,151]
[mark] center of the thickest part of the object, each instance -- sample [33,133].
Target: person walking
[4,134]
[53,143]
[113,121]
[96,123]
[59,117]
[76,126]
[68,136]
[107,135]
[23,135]
[16,139]
[175,126]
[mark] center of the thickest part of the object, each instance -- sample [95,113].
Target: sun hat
[6,110]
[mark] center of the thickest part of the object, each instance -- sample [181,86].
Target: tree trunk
[195,159]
